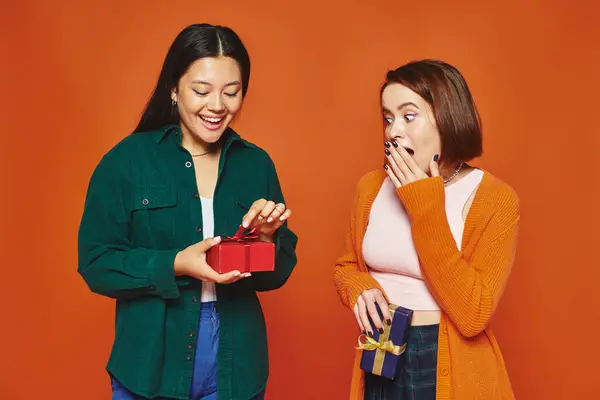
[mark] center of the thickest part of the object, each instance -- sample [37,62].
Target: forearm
[130,273]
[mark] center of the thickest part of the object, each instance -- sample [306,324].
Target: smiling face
[409,121]
[208,97]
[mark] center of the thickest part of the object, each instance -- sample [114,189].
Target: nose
[215,103]
[394,131]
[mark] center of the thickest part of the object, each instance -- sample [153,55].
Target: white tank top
[388,248]
[209,292]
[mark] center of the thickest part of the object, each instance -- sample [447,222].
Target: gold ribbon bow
[370,344]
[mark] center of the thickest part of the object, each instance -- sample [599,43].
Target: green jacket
[141,208]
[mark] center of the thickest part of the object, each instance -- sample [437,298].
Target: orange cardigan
[467,283]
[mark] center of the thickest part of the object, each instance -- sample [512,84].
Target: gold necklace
[200,155]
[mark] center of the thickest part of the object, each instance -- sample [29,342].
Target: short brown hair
[446,91]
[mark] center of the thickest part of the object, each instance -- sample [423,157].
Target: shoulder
[251,154]
[500,195]
[370,182]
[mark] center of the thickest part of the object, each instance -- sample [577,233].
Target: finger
[364,317]
[374,315]
[383,305]
[277,211]
[286,215]
[392,176]
[253,212]
[410,162]
[206,244]
[228,277]
[267,210]
[400,162]
[236,278]
[396,171]
[434,166]
[357,315]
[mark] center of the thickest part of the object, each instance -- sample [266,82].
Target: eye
[200,93]
[410,117]
[387,120]
[231,94]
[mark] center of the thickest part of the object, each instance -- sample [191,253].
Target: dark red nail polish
[436,157]
[395,144]
[388,321]
[387,152]
[380,330]
[385,166]
[364,332]
[387,144]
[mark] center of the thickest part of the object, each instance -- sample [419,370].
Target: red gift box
[242,252]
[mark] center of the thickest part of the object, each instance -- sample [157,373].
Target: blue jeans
[204,380]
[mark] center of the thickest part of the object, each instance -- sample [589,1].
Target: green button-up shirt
[141,209]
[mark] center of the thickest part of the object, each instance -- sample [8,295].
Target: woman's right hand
[365,307]
[191,261]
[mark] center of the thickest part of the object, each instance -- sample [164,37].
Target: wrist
[178,265]
[270,238]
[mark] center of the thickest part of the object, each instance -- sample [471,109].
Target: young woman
[431,233]
[156,203]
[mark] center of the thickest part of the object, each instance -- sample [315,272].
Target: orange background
[74,79]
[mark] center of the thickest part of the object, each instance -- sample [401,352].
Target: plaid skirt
[415,377]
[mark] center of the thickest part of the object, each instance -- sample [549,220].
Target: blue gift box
[381,351]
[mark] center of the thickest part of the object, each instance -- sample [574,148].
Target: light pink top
[388,247]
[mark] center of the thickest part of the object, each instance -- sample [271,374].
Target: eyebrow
[210,84]
[401,106]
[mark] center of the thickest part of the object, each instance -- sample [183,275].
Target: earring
[174,102]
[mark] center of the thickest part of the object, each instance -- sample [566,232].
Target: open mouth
[212,123]
[409,151]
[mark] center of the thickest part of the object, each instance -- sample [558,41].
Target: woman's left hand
[402,168]
[266,217]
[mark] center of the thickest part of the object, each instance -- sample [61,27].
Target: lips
[212,120]
[409,151]
[212,123]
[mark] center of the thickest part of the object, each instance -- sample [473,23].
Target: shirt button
[196,196]
[145,202]
[191,333]
[188,164]
[188,358]
[198,229]
[190,345]
[195,299]
[444,371]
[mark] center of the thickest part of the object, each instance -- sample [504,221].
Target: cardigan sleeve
[468,290]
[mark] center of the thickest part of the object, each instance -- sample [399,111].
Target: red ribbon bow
[241,235]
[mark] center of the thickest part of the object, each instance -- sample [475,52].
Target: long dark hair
[194,42]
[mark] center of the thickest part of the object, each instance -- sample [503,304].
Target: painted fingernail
[385,166]
[247,275]
[269,220]
[282,218]
[387,152]
[364,332]
[395,144]
[388,321]
[245,224]
[387,144]
[436,157]
[380,330]
[236,273]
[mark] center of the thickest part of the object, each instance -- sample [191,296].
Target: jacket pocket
[153,216]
